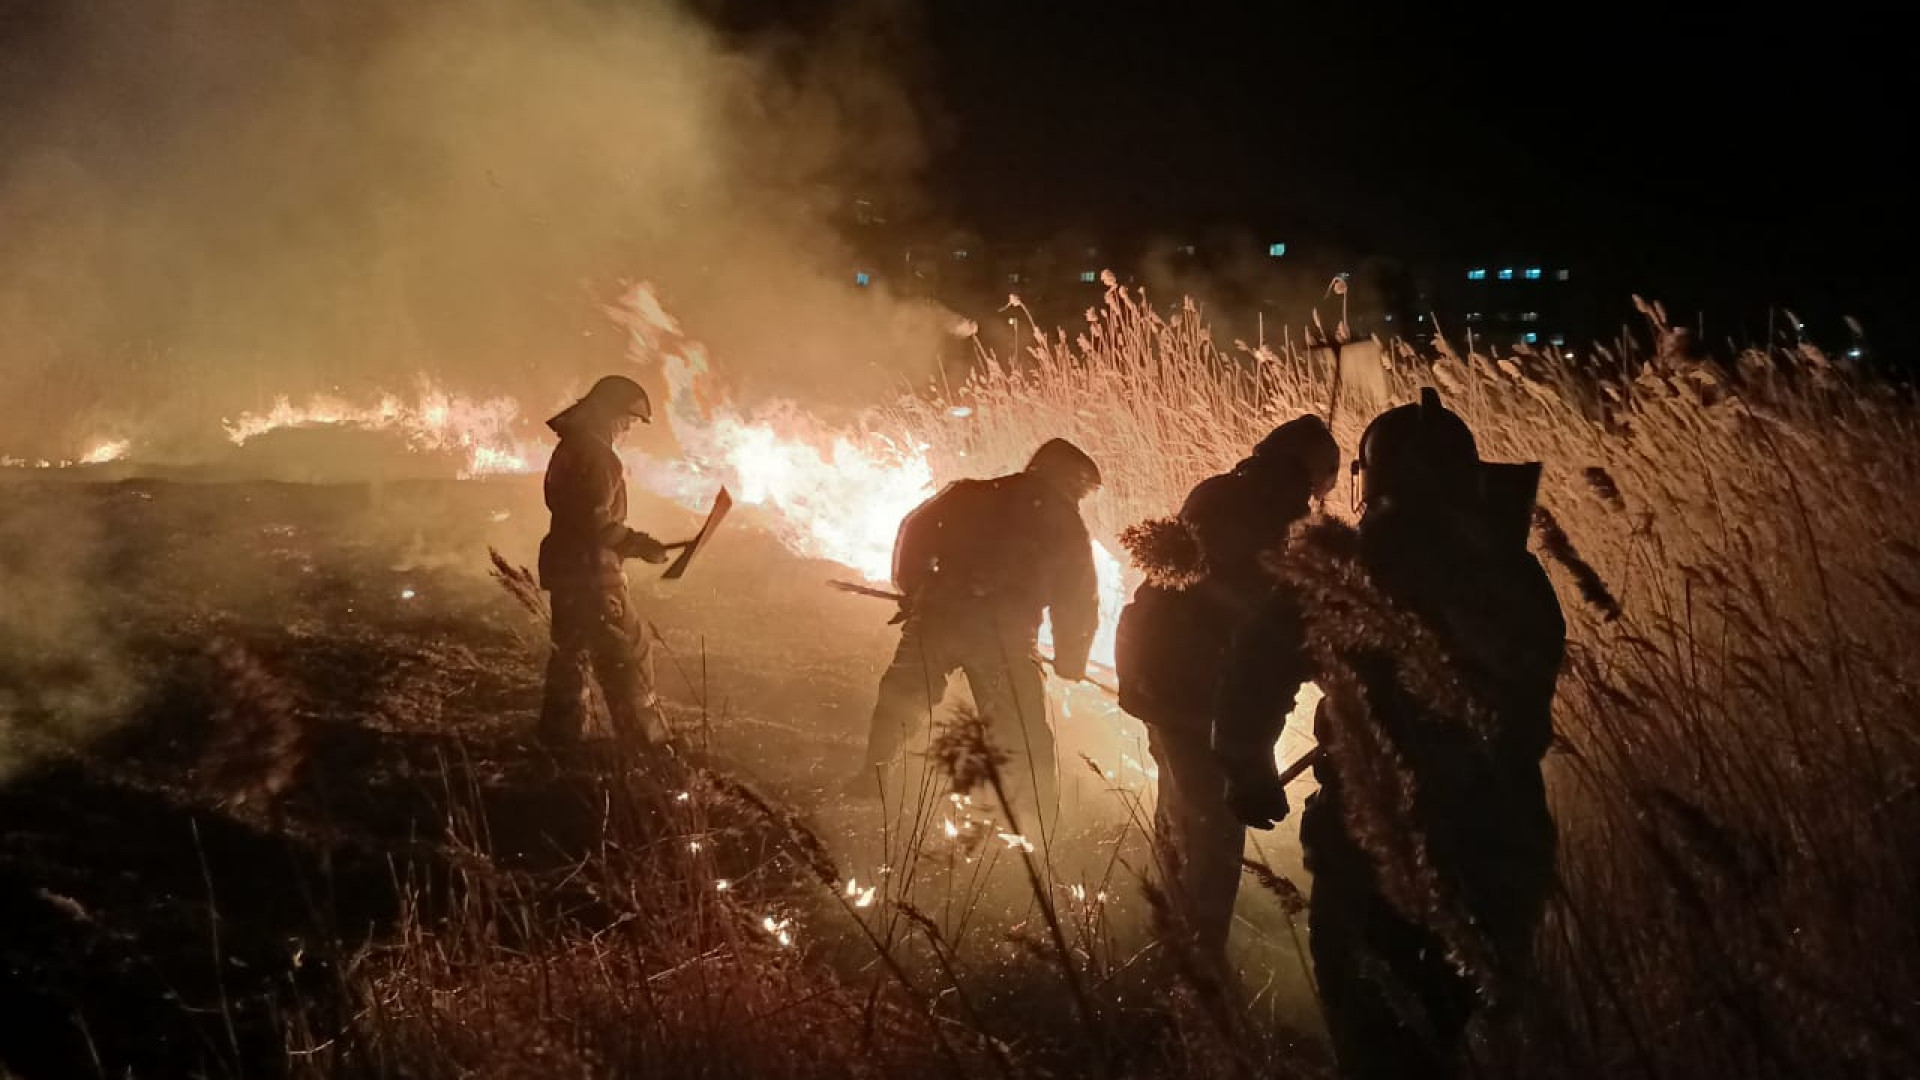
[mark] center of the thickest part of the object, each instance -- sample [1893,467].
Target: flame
[778,928]
[834,493]
[99,452]
[485,433]
[103,451]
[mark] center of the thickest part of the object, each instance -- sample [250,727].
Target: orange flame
[484,434]
[831,493]
[836,494]
[102,451]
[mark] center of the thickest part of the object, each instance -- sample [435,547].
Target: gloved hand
[1258,800]
[639,545]
[905,612]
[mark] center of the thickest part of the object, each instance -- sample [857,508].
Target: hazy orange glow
[834,493]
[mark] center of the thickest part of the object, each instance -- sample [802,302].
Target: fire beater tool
[901,598]
[722,503]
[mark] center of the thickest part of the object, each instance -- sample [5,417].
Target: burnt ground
[280,690]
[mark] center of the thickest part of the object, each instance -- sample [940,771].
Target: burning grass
[1734,778]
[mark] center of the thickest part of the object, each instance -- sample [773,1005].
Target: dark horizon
[1723,164]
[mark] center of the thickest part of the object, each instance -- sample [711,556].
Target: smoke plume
[204,204]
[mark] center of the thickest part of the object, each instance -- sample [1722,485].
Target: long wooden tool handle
[1301,764]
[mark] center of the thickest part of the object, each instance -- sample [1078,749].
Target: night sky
[1741,157]
[1563,125]
[1763,154]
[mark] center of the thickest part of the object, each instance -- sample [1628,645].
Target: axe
[722,503]
[901,598]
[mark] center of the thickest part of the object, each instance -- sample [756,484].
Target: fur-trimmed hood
[1167,551]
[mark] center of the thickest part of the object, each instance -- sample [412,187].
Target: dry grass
[1735,781]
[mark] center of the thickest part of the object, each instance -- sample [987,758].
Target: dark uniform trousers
[1008,688]
[595,631]
[1200,840]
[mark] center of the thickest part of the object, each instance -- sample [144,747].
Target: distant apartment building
[1252,285]
[1512,299]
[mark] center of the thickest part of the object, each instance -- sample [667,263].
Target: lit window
[1013,279]
[1530,337]
[959,254]
[1186,249]
[1506,273]
[1478,273]
[1389,318]
[1274,251]
[1561,275]
[1533,273]
[862,278]
[1531,316]
[1473,316]
[1558,339]
[1420,318]
[1088,277]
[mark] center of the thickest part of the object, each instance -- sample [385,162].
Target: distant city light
[1561,275]
[1558,339]
[1506,273]
[1274,251]
[1478,273]
[862,278]
[1530,337]
[959,254]
[1088,277]
[1855,353]
[1189,249]
[1533,273]
[1013,279]
[1529,316]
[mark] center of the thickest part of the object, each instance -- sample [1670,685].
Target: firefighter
[594,626]
[979,564]
[1173,639]
[1429,840]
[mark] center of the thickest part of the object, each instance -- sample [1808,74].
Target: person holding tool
[594,628]
[976,567]
[1204,579]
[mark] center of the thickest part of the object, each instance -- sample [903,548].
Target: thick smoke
[63,670]
[204,204]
